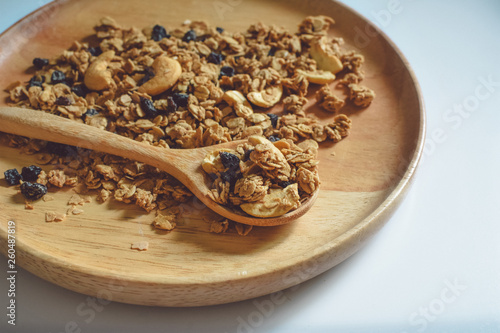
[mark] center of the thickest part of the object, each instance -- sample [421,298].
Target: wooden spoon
[183,164]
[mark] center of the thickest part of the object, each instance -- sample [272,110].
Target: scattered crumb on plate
[140,246]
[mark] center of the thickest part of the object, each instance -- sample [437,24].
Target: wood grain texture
[364,177]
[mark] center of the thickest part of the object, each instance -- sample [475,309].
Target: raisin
[80,90]
[159,33]
[219,30]
[95,51]
[229,160]
[33,191]
[274,119]
[226,71]
[57,77]
[284,184]
[30,174]
[61,149]
[171,106]
[90,112]
[215,58]
[63,100]
[12,177]
[148,75]
[40,62]
[148,107]
[227,176]
[247,154]
[36,81]
[273,138]
[181,99]
[189,36]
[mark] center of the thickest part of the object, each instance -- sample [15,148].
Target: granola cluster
[187,87]
[264,178]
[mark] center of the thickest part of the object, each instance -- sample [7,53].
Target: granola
[194,86]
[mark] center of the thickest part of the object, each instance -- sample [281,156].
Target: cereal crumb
[54,217]
[76,200]
[218,227]
[28,205]
[140,246]
[242,229]
[165,221]
[48,198]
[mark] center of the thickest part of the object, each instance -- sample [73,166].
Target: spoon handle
[44,126]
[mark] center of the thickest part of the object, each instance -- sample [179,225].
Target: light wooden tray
[364,177]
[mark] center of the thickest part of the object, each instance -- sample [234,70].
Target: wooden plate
[363,177]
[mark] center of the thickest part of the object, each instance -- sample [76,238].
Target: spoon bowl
[183,164]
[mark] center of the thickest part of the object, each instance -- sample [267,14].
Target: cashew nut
[318,77]
[167,71]
[98,76]
[325,60]
[266,98]
[239,103]
[278,202]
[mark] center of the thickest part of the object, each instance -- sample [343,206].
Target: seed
[219,30]
[215,58]
[12,177]
[226,71]
[159,33]
[181,99]
[40,62]
[273,138]
[274,119]
[148,107]
[57,77]
[30,174]
[189,36]
[271,52]
[33,191]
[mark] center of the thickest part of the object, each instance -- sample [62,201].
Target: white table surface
[434,267]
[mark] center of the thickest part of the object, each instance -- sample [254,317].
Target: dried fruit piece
[12,177]
[33,191]
[57,77]
[215,58]
[61,149]
[226,71]
[159,32]
[229,161]
[30,174]
[95,51]
[36,81]
[40,62]
[148,107]
[189,36]
[181,99]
